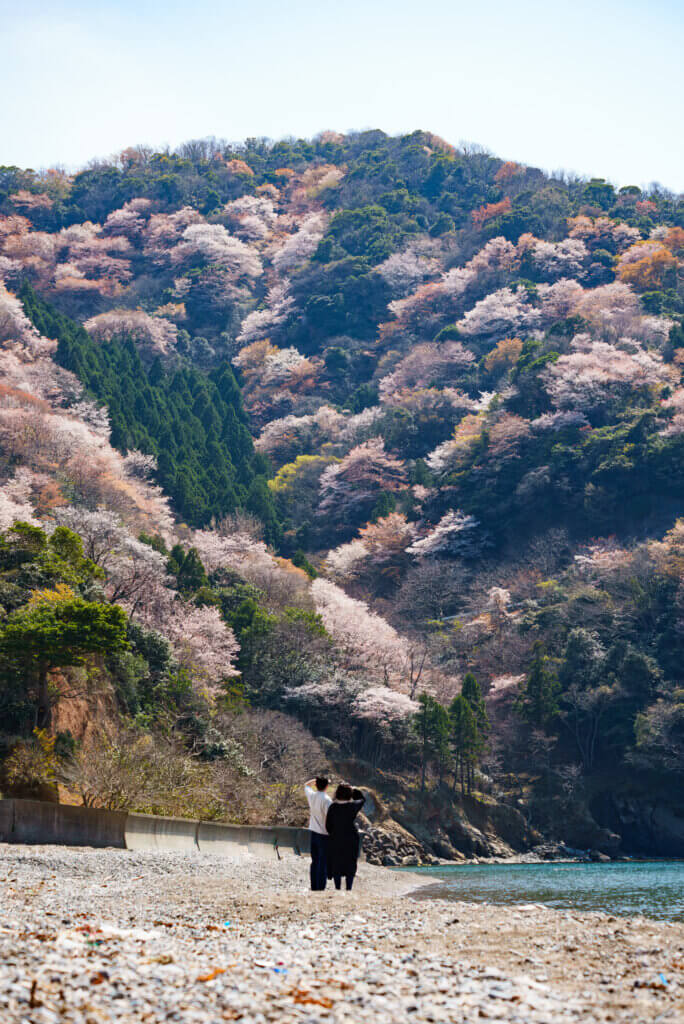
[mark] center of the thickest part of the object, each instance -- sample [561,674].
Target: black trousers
[319,861]
[349,880]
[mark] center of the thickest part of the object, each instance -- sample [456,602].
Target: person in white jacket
[319,802]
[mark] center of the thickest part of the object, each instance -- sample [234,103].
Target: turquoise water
[651,888]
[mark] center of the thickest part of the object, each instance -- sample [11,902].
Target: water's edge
[653,889]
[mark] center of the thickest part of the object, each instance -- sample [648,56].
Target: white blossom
[452,535]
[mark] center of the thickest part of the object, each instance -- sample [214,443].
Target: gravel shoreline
[89,937]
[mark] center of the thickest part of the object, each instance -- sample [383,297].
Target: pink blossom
[560,300]
[204,645]
[359,477]
[446,297]
[15,326]
[602,559]
[501,312]
[366,640]
[404,270]
[426,364]
[300,246]
[590,376]
[129,220]
[554,260]
[13,509]
[252,218]
[346,560]
[259,324]
[155,335]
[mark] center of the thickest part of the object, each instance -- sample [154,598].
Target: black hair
[321,782]
[344,792]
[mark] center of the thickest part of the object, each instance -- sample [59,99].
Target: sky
[592,87]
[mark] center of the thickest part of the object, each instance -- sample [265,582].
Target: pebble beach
[95,936]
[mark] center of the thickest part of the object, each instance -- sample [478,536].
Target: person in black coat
[343,848]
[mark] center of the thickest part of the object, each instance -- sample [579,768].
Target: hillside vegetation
[357,449]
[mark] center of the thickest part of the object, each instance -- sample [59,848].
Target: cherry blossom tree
[675,406]
[288,436]
[432,303]
[227,548]
[567,419]
[587,378]
[426,364]
[507,434]
[203,644]
[212,244]
[603,233]
[553,260]
[129,220]
[560,300]
[27,253]
[403,271]
[263,364]
[136,574]
[600,560]
[455,534]
[282,583]
[154,335]
[611,311]
[12,510]
[354,483]
[300,246]
[451,453]
[501,312]
[252,218]
[164,231]
[366,640]
[15,326]
[378,546]
[384,706]
[47,428]
[347,560]
[260,323]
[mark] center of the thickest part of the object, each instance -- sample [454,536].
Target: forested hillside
[357,449]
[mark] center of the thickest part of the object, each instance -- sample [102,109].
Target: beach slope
[88,937]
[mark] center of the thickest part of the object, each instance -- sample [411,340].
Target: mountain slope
[462,379]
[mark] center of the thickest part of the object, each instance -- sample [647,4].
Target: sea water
[651,888]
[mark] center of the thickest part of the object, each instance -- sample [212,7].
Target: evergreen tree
[55,630]
[466,741]
[473,694]
[538,698]
[431,725]
[192,422]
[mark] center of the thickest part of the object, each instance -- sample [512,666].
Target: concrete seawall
[38,822]
[257,840]
[148,832]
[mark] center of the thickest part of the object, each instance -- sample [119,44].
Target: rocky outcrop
[402,827]
[468,827]
[647,826]
[392,846]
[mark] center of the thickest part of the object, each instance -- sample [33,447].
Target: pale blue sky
[590,86]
